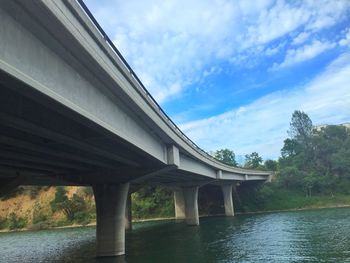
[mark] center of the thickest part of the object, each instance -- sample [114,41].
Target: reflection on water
[310,236]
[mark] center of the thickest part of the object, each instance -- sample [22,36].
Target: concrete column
[128,214]
[228,202]
[179,205]
[110,218]
[191,205]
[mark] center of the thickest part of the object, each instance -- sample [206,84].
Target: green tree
[309,182]
[69,206]
[300,127]
[60,196]
[271,165]
[290,148]
[152,201]
[226,156]
[15,222]
[253,160]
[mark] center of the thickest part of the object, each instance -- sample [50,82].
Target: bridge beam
[110,218]
[228,202]
[190,195]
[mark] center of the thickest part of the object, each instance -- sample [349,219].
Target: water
[308,236]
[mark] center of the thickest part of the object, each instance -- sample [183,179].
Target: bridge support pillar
[128,214]
[179,205]
[228,202]
[190,195]
[110,218]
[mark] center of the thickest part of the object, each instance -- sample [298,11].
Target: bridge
[73,112]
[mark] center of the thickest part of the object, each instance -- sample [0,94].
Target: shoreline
[173,218]
[293,209]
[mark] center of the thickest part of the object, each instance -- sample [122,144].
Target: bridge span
[72,112]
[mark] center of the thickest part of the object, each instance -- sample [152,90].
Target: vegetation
[315,160]
[14,222]
[226,156]
[253,160]
[151,202]
[75,208]
[313,170]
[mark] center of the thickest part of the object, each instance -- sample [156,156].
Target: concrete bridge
[72,112]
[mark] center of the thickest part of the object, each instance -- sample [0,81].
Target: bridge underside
[44,143]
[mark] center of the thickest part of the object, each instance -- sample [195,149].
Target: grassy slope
[296,201]
[34,212]
[271,199]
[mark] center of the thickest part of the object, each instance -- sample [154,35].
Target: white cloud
[171,44]
[301,38]
[270,51]
[295,56]
[325,14]
[346,40]
[279,20]
[261,126]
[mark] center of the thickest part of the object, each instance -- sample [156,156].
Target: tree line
[314,160]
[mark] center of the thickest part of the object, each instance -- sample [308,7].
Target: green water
[308,236]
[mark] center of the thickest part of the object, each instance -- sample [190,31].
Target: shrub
[3,223]
[82,218]
[15,222]
[38,215]
[152,202]
[60,197]
[69,206]
[87,190]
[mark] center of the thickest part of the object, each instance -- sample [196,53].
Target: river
[302,236]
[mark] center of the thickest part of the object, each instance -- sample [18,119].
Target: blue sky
[231,73]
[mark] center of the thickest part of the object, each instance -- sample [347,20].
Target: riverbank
[292,210]
[92,224]
[87,225]
[272,198]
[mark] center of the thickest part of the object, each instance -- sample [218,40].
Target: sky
[231,73]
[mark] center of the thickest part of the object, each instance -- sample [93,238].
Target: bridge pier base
[128,214]
[110,218]
[179,206]
[228,202]
[190,195]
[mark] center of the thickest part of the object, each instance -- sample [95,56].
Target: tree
[60,197]
[69,206]
[300,127]
[309,182]
[226,156]
[290,148]
[253,160]
[271,165]
[298,150]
